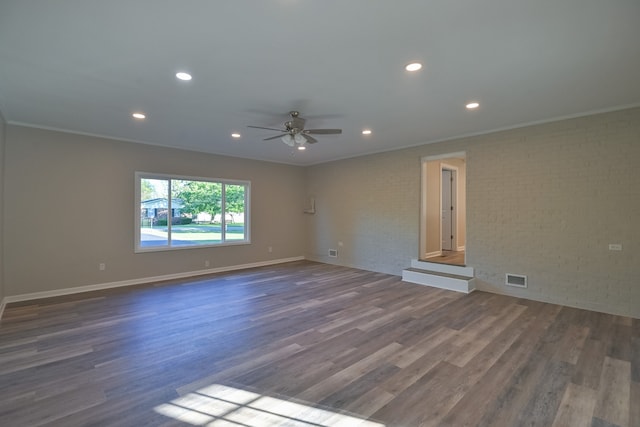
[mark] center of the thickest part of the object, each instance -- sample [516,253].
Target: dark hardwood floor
[312,344]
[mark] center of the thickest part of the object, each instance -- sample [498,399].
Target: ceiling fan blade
[272,137]
[260,127]
[310,139]
[323,131]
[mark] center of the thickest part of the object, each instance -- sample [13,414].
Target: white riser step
[439,280]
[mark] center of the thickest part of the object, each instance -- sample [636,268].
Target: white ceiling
[86,65]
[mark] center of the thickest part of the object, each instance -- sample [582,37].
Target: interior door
[447,210]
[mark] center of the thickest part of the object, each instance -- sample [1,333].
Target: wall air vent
[333,253]
[516,280]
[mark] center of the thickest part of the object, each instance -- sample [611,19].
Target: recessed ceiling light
[414,66]
[138,116]
[302,147]
[235,135]
[366,132]
[183,76]
[472,105]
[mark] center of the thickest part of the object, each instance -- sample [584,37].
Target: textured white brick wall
[369,204]
[544,201]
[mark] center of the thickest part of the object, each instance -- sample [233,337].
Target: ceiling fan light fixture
[295,134]
[302,147]
[288,139]
[183,76]
[366,132]
[472,105]
[138,116]
[235,135]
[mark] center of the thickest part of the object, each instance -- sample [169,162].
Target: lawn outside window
[178,212]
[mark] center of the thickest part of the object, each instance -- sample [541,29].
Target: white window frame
[139,176]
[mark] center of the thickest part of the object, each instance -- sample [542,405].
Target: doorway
[449,213]
[443,209]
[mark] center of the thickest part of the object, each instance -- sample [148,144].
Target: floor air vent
[333,253]
[516,280]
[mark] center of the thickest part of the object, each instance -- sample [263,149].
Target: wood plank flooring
[309,344]
[448,257]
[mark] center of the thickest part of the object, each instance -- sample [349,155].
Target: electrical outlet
[340,244]
[207,263]
[615,246]
[270,249]
[102,266]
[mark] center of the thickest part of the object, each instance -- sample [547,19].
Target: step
[438,279]
[443,268]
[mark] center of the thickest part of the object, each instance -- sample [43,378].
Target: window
[185,212]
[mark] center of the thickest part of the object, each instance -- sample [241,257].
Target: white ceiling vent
[516,280]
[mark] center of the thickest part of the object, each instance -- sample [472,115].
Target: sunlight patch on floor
[219,405]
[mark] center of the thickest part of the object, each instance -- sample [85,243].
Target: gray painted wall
[544,201]
[69,205]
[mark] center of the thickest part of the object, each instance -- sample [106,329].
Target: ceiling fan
[294,132]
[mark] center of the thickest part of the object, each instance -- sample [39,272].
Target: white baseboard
[140,281]
[439,253]
[432,254]
[580,304]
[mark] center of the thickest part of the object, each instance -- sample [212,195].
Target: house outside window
[177,212]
